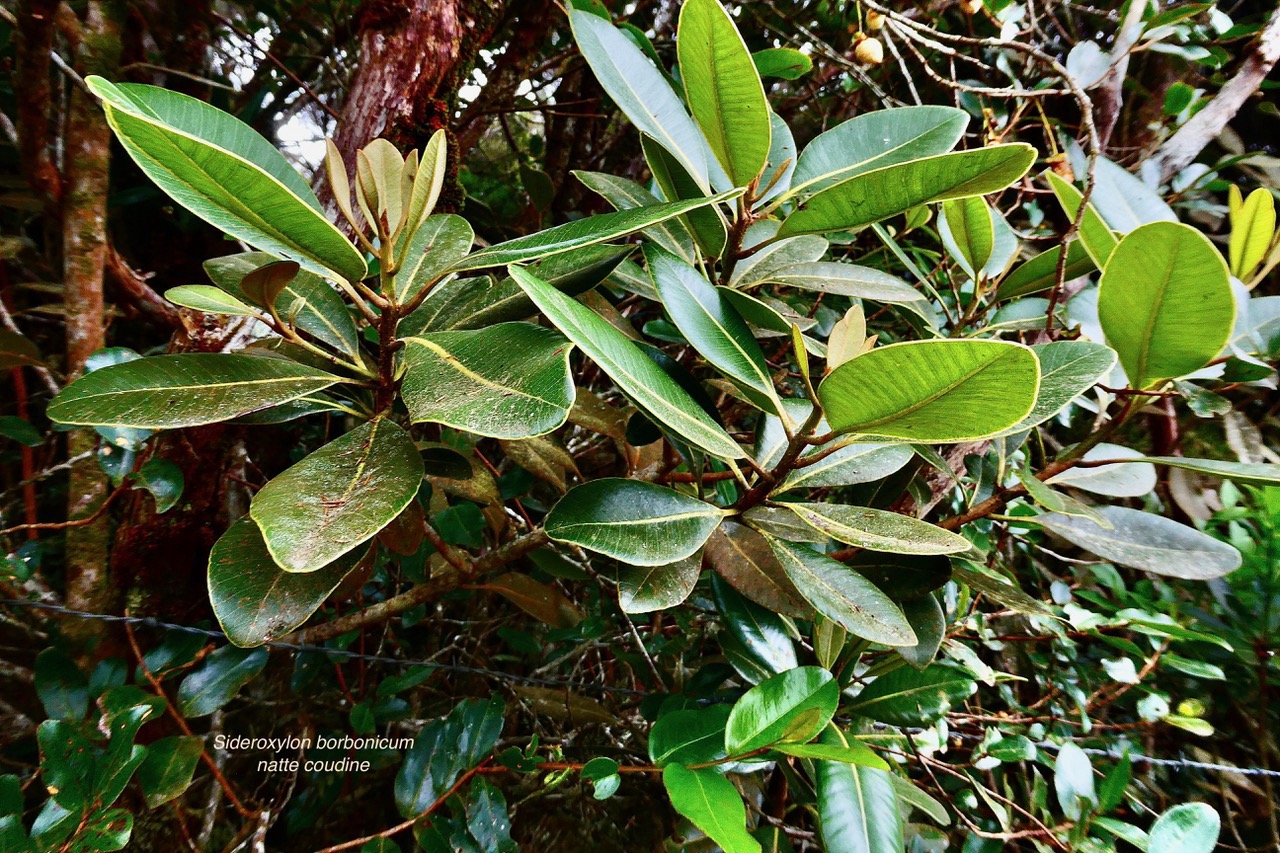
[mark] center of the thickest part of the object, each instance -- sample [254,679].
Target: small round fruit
[869,52]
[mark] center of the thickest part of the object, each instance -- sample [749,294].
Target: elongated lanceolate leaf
[848,280]
[1244,473]
[1067,370]
[507,381]
[636,374]
[1040,272]
[857,805]
[877,529]
[638,523]
[626,194]
[968,232]
[254,599]
[338,497]
[191,389]
[209,299]
[711,802]
[1097,238]
[643,589]
[437,246]
[933,391]
[222,171]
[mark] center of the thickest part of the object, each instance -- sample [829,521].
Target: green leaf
[638,523]
[723,89]
[1073,781]
[711,802]
[603,775]
[635,373]
[914,797]
[1096,236]
[967,224]
[626,194]
[61,686]
[511,380]
[853,753]
[877,529]
[776,258]
[164,480]
[1067,370]
[1165,302]
[1241,473]
[1041,272]
[707,224]
[306,302]
[871,196]
[848,280]
[875,140]
[761,633]
[487,817]
[933,392]
[17,351]
[217,682]
[843,595]
[254,600]
[643,589]
[903,577]
[1185,828]
[1120,480]
[166,772]
[1253,227]
[857,805]
[640,90]
[338,497]
[848,466]
[914,697]
[222,171]
[445,749]
[176,391]
[584,232]
[930,624]
[209,299]
[1143,540]
[785,63]
[437,246]
[693,736]
[743,557]
[712,326]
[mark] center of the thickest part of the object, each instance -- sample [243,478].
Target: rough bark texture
[34,41]
[84,246]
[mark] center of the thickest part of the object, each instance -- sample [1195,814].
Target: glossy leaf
[793,706]
[209,299]
[743,557]
[1067,370]
[857,805]
[1040,273]
[877,529]
[848,280]
[706,224]
[508,381]
[843,595]
[625,194]
[970,234]
[61,686]
[1253,228]
[871,196]
[1186,828]
[638,523]
[911,697]
[338,497]
[852,753]
[930,624]
[439,244]
[222,171]
[1165,302]
[541,601]
[254,600]
[166,772]
[1095,236]
[723,89]
[693,736]
[1073,781]
[712,325]
[903,577]
[445,749]
[1120,480]
[218,681]
[875,140]
[939,391]
[176,391]
[643,589]
[711,802]
[636,374]
[1143,540]
[762,633]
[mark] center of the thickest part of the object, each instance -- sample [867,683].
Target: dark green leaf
[219,680]
[857,805]
[791,706]
[166,772]
[911,697]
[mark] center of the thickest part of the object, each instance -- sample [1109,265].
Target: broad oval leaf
[848,466]
[693,736]
[218,681]
[1121,480]
[583,232]
[794,705]
[930,624]
[933,392]
[640,90]
[1143,540]
[723,89]
[712,325]
[254,600]
[638,523]
[1067,370]
[711,802]
[875,140]
[858,808]
[643,589]
[848,280]
[167,770]
[1186,828]
[1165,302]
[871,196]
[511,380]
[1041,272]
[743,557]
[222,171]
[878,529]
[636,374]
[436,248]
[912,697]
[338,497]
[176,391]
[844,596]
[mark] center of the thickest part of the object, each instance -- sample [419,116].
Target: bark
[35,33]
[84,237]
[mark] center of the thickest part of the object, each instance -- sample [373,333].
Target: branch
[133,288]
[1184,146]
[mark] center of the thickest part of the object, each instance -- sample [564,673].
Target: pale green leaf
[878,529]
[1253,229]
